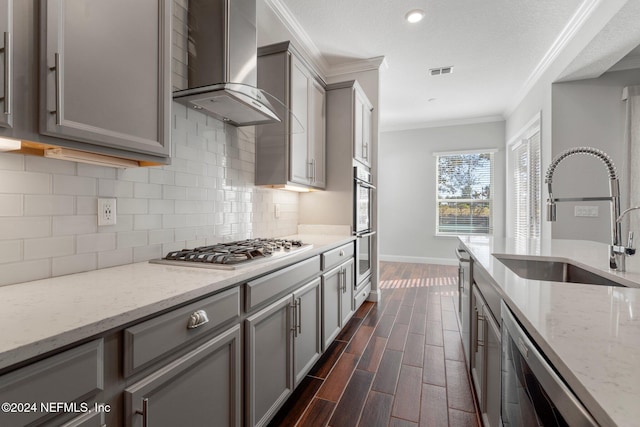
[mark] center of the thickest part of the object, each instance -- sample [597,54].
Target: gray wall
[407,188]
[589,113]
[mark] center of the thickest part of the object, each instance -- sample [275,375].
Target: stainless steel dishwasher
[463,304]
[533,394]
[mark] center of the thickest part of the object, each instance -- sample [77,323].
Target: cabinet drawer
[72,376]
[337,256]
[154,338]
[272,285]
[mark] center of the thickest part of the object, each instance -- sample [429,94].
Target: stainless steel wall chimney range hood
[222,59]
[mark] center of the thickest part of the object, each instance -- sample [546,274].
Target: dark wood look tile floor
[397,363]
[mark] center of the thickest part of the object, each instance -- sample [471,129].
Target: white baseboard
[418,260]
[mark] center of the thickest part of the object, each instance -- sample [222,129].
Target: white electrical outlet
[276,210]
[106,212]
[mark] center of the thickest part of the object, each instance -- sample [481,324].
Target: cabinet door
[299,166]
[317,138]
[6,66]
[478,339]
[331,305]
[491,414]
[346,299]
[198,389]
[358,108]
[105,72]
[269,361]
[307,340]
[367,113]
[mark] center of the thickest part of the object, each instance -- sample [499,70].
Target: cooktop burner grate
[234,252]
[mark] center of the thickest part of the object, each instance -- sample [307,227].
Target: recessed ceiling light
[415,15]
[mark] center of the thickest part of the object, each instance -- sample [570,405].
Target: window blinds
[526,200]
[464,193]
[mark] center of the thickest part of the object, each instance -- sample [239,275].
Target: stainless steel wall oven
[362,212]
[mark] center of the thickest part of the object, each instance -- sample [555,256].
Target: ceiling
[494,46]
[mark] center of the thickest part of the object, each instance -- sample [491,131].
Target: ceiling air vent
[441,70]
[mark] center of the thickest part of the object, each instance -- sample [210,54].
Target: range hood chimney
[222,59]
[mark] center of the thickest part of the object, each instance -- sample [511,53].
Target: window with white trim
[524,184]
[464,193]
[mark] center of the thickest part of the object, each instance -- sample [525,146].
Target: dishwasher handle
[462,255]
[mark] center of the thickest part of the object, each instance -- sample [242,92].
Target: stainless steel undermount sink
[553,271]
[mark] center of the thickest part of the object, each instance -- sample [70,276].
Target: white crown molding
[566,35]
[303,41]
[308,48]
[377,63]
[443,123]
[628,63]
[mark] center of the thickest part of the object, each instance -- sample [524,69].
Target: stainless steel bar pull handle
[7,73]
[144,412]
[197,319]
[58,70]
[299,315]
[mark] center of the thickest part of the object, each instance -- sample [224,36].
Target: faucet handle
[630,250]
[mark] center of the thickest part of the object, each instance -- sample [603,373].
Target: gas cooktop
[232,255]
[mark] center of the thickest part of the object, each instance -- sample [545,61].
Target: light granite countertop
[40,316]
[590,333]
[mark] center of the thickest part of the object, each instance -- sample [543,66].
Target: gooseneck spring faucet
[617,252]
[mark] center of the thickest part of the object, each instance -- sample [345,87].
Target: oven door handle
[364,184]
[365,234]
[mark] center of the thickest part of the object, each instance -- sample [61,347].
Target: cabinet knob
[197,319]
[341,252]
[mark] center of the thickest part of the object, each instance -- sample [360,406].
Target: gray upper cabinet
[6,68]
[292,151]
[362,112]
[105,73]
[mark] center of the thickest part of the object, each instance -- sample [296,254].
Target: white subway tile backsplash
[49,205]
[15,182]
[24,271]
[113,188]
[147,191]
[48,208]
[130,239]
[11,204]
[74,264]
[13,162]
[25,227]
[74,185]
[42,164]
[74,224]
[10,251]
[147,222]
[48,247]
[161,236]
[116,257]
[145,253]
[132,206]
[97,242]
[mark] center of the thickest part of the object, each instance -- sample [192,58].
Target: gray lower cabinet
[282,344]
[337,300]
[104,86]
[307,343]
[269,348]
[200,388]
[73,377]
[485,359]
